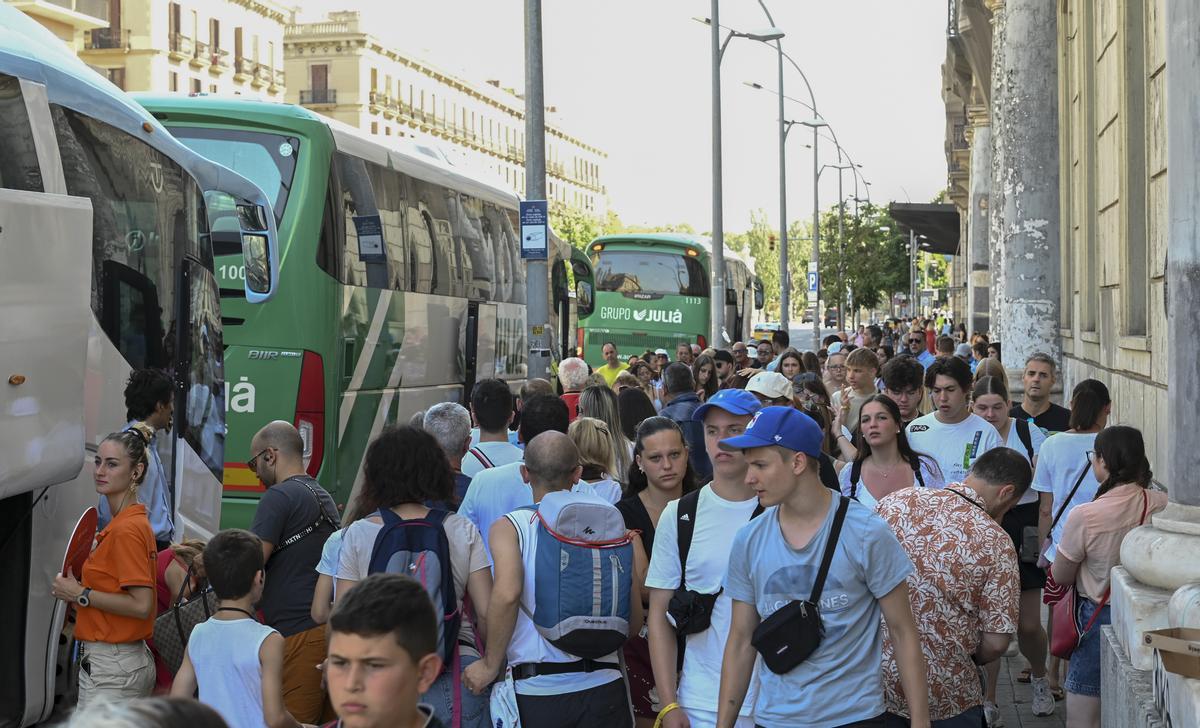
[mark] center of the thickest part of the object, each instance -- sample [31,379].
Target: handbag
[173,627]
[1066,636]
[790,635]
[1043,562]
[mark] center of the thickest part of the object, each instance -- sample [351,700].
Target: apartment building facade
[337,68]
[228,47]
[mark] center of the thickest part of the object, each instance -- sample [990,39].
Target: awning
[936,226]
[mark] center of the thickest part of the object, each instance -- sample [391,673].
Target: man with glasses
[294,517]
[766,353]
[741,357]
[724,364]
[914,346]
[903,382]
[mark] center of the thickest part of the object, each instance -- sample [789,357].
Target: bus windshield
[267,160]
[636,271]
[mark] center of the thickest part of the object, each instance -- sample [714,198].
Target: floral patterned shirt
[964,582]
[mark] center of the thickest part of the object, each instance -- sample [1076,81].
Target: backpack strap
[830,547]
[686,525]
[1070,495]
[483,459]
[1024,435]
[916,466]
[855,476]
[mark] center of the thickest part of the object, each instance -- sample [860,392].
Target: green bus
[652,291]
[405,281]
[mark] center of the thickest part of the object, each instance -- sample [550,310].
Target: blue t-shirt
[841,681]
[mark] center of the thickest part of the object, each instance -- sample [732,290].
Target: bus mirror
[758,295]
[584,302]
[260,251]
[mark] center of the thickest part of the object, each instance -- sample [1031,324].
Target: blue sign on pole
[812,282]
[535,229]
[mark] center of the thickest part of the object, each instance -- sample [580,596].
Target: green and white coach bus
[404,278]
[652,291]
[106,231]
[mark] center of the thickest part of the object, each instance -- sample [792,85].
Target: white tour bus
[106,230]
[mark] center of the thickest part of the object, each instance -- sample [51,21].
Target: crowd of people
[846,537]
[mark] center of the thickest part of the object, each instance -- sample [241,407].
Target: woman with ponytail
[114,595]
[1091,545]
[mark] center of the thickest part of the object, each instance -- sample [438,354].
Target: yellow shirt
[610,373]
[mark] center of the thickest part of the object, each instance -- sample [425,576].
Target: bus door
[582,300]
[479,346]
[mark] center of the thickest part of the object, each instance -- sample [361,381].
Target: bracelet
[662,713]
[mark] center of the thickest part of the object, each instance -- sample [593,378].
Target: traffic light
[771,242]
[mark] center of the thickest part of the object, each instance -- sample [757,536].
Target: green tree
[868,263]
[573,225]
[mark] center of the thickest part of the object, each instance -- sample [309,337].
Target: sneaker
[991,715]
[1043,699]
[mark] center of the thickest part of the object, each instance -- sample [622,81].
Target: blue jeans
[475,708]
[1083,676]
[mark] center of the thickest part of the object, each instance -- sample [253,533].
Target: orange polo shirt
[124,557]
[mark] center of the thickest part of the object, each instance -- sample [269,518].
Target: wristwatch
[83,600]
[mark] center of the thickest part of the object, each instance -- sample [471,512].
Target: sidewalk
[1013,699]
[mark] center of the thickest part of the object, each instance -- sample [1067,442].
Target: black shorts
[1014,523]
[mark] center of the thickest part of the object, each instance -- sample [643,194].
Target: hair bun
[146,432]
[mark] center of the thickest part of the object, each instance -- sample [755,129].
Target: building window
[374,127]
[212,88]
[387,131]
[117,76]
[173,18]
[271,54]
[214,34]
[174,81]
[1135,280]
[196,87]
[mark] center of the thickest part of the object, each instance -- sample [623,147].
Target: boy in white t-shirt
[952,435]
[714,514]
[236,662]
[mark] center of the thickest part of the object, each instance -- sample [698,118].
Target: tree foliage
[867,263]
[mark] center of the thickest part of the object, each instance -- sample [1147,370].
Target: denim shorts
[1083,676]
[476,711]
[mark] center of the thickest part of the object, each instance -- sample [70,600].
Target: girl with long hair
[811,363]
[114,594]
[658,475]
[404,469]
[647,377]
[1090,547]
[595,444]
[601,402]
[704,372]
[790,364]
[885,462]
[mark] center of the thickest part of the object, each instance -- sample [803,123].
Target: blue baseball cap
[733,401]
[779,426]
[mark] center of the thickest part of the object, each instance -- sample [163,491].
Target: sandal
[1058,693]
[1024,676]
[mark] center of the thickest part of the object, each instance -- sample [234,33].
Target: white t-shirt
[954,447]
[717,521]
[1036,438]
[608,489]
[929,473]
[1062,458]
[500,453]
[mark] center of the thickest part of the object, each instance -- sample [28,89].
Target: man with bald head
[544,674]
[294,517]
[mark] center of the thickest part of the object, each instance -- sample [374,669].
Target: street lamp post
[717,292]
[816,124]
[785,278]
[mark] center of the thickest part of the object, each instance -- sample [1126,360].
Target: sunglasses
[254,460]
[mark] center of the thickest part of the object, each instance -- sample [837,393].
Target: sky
[634,77]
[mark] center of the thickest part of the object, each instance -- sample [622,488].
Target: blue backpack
[583,574]
[418,548]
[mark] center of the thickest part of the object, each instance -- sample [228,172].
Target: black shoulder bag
[691,611]
[791,634]
[322,517]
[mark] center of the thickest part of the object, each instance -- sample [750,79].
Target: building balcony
[277,78]
[200,54]
[318,96]
[218,59]
[262,75]
[180,47]
[78,14]
[106,39]
[243,69]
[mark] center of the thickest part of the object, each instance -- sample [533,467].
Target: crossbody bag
[322,518]
[790,635]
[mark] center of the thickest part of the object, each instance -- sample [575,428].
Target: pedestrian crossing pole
[537,304]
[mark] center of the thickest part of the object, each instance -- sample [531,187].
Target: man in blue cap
[694,535]
[775,560]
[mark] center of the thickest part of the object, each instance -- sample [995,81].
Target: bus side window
[19,169]
[364,257]
[146,213]
[478,258]
[390,198]
[329,250]
[202,367]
